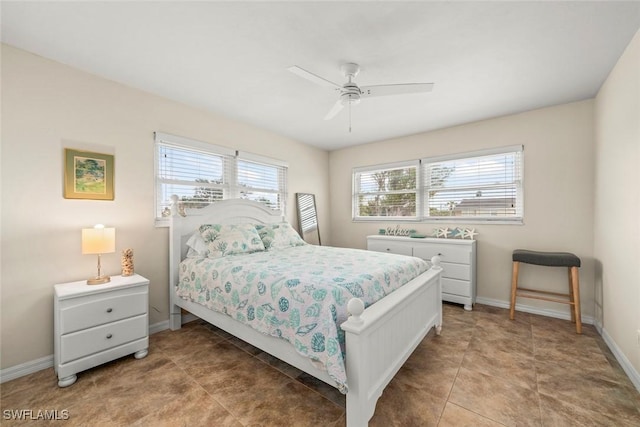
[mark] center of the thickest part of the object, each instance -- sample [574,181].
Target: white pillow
[279,236]
[222,240]
[197,247]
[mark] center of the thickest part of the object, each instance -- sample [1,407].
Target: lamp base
[98,280]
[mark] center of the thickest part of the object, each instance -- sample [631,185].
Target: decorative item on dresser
[127,262]
[97,324]
[458,262]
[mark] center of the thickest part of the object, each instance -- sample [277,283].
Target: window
[386,191]
[201,173]
[483,186]
[261,180]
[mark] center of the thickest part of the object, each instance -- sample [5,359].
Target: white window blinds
[262,180]
[484,185]
[386,191]
[201,173]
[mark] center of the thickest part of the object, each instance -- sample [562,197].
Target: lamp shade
[98,240]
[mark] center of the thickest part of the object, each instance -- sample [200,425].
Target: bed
[372,343]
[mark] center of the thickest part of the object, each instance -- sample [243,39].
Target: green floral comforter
[299,294]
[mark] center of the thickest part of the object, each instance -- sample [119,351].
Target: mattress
[299,294]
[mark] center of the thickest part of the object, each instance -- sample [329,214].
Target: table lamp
[98,240]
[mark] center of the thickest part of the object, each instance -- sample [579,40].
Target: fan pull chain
[349,111]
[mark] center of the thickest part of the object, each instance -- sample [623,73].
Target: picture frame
[88,175]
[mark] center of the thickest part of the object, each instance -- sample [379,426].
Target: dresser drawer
[390,247]
[456,287]
[448,253]
[94,340]
[457,256]
[89,311]
[456,271]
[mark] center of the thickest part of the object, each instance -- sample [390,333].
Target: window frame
[230,186]
[518,184]
[356,193]
[422,197]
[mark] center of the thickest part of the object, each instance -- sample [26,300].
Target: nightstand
[95,324]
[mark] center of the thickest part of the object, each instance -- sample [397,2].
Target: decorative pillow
[197,247]
[223,240]
[279,236]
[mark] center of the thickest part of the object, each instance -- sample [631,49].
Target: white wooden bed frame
[378,340]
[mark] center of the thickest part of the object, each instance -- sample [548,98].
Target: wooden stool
[549,259]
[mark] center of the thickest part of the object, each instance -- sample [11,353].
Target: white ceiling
[486,59]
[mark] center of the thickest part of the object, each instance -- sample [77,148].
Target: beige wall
[47,106]
[617,204]
[558,190]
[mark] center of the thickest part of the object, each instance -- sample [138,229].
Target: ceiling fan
[351,93]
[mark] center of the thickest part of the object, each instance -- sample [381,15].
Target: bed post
[175,312]
[360,407]
[435,266]
[400,320]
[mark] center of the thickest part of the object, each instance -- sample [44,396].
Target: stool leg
[571,296]
[514,287]
[575,285]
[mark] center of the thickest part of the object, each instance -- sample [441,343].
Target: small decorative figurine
[127,262]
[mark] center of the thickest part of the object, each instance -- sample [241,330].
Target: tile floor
[484,370]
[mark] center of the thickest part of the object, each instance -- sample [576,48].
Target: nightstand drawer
[448,253]
[86,312]
[390,247]
[94,340]
[456,287]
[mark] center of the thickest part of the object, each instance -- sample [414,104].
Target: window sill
[445,220]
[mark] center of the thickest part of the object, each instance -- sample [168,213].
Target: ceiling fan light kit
[351,93]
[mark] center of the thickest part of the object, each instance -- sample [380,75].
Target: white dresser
[95,324]
[458,262]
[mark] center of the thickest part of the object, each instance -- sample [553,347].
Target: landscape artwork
[88,175]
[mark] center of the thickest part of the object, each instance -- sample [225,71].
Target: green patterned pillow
[223,240]
[279,236]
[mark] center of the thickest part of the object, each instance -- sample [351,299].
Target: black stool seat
[551,259]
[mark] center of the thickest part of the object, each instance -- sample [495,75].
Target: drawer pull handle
[109,336]
[109,310]
[439,254]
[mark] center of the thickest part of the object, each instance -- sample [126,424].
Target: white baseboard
[631,372]
[14,372]
[533,310]
[161,326]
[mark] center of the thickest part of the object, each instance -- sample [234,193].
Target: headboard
[230,211]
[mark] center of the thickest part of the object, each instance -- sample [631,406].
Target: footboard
[380,339]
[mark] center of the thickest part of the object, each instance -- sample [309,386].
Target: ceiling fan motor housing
[350,94]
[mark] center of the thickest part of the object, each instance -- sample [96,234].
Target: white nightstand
[95,324]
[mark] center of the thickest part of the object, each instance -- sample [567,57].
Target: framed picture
[88,175]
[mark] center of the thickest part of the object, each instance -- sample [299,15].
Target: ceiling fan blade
[337,107]
[399,89]
[312,77]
